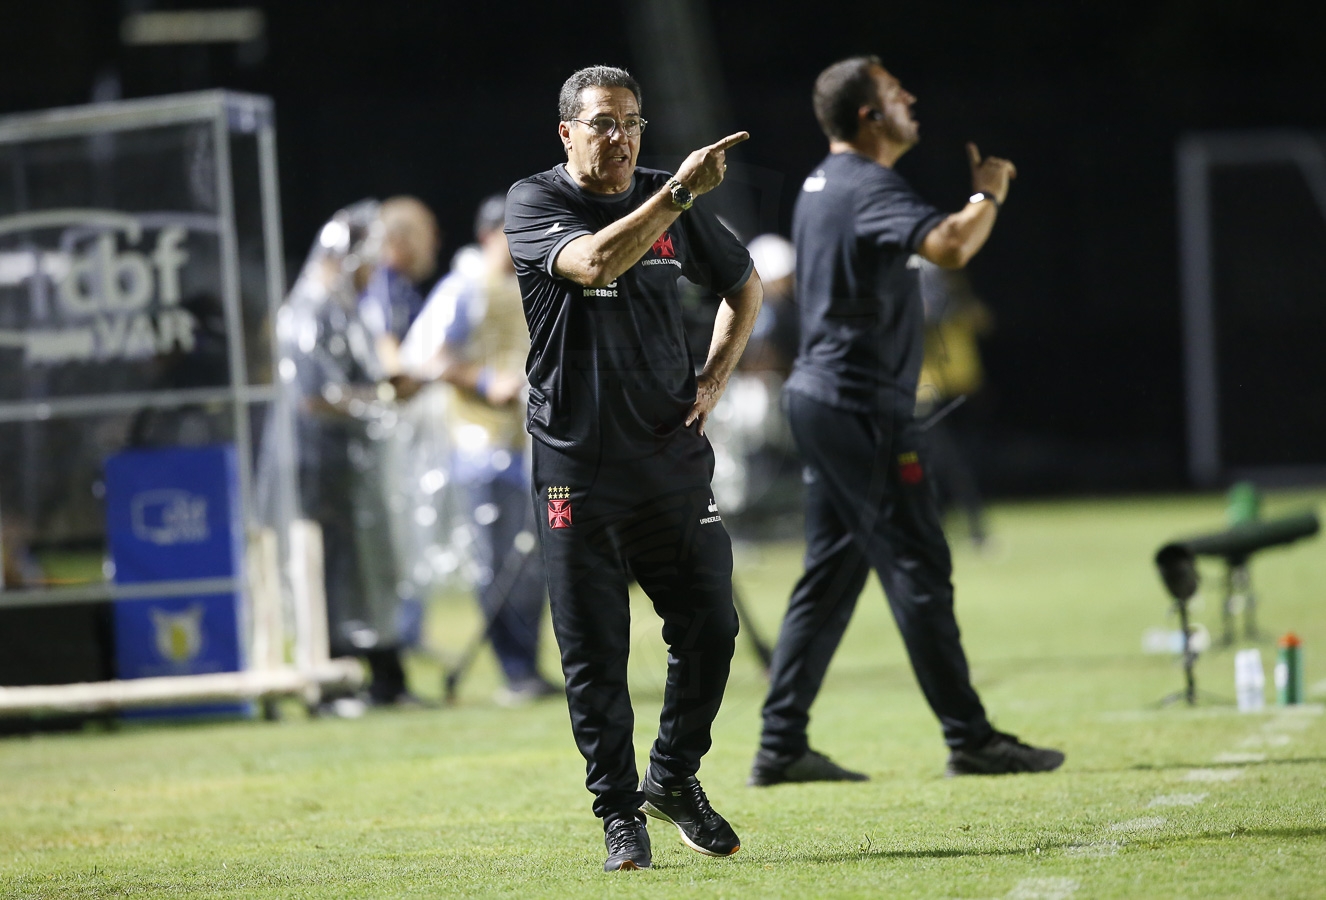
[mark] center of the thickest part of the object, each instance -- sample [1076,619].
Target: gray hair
[568,102]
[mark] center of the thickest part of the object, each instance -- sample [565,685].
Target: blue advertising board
[173,514]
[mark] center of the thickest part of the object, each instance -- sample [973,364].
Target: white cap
[774,256]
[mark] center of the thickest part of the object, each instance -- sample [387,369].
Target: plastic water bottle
[1289,671]
[1249,680]
[1245,504]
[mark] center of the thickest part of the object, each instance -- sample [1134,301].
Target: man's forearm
[732,328]
[953,242]
[596,260]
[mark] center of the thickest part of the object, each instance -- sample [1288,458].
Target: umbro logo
[557,226]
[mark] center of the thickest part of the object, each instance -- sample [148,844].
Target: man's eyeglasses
[607,125]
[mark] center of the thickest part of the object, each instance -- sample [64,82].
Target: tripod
[1189,692]
[1178,570]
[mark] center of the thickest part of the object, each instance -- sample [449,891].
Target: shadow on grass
[994,672]
[1249,764]
[1171,766]
[1150,839]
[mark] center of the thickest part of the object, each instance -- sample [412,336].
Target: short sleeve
[893,215]
[718,260]
[538,226]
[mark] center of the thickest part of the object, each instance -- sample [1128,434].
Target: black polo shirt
[855,225]
[609,369]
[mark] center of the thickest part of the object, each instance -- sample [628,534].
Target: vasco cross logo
[559,506]
[663,247]
[665,253]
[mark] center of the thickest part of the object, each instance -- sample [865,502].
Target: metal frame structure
[267,593]
[1195,157]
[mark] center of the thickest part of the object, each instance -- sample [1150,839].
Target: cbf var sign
[101,285]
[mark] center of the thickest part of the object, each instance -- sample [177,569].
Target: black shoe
[1003,754]
[809,766]
[685,805]
[628,845]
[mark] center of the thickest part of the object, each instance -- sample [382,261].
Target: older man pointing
[621,462]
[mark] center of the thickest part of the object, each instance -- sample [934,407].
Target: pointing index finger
[730,141]
[973,154]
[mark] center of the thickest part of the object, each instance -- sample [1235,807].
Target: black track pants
[601,525]
[868,505]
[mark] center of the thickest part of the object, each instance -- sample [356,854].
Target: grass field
[477,800]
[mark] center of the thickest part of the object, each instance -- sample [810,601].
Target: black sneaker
[809,766]
[686,806]
[1003,754]
[628,845]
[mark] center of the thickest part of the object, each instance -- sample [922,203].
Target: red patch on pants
[559,513]
[909,469]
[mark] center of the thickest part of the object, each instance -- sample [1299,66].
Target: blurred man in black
[621,464]
[850,401]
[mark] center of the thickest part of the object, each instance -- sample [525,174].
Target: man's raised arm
[596,260]
[953,242]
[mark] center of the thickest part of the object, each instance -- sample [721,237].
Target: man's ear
[564,131]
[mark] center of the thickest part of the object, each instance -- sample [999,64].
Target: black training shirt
[855,225]
[609,369]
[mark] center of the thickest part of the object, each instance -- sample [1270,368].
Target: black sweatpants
[868,505]
[603,523]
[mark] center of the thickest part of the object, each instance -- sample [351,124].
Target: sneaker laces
[706,812]
[623,837]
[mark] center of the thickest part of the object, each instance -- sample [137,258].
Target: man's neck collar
[883,153]
[614,195]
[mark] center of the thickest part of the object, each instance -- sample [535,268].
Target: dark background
[452,101]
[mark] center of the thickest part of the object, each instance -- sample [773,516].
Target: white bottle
[1249,680]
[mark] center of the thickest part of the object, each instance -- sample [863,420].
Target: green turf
[477,800]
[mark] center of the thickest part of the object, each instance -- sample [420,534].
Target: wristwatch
[983,195]
[681,194]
